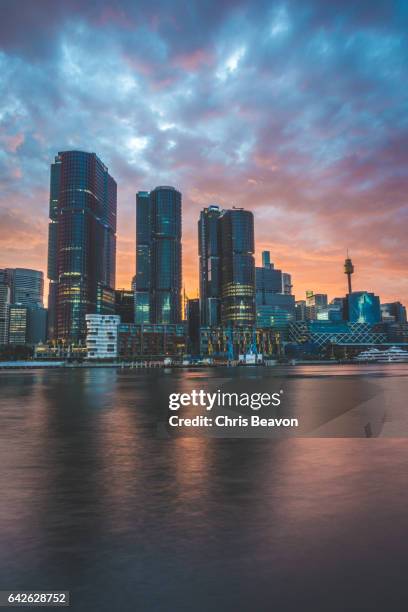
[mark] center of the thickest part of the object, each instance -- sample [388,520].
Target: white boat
[371,354]
[391,355]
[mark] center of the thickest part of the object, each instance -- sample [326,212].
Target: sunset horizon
[292,112]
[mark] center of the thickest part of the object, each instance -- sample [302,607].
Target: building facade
[4,312]
[237,268]
[394,312]
[209,253]
[227,267]
[315,304]
[81,242]
[158,256]
[316,335]
[26,289]
[275,306]
[228,343]
[143,267]
[18,324]
[102,336]
[125,305]
[362,307]
[193,325]
[26,286]
[151,341]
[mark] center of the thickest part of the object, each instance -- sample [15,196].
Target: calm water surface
[93,501]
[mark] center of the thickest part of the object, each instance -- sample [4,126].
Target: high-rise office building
[209,252]
[4,311]
[26,290]
[274,307]
[143,268]
[237,268]
[26,286]
[315,303]
[278,312]
[268,280]
[393,312]
[334,311]
[227,267]
[158,256]
[82,243]
[18,324]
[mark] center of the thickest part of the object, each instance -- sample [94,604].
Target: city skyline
[296,114]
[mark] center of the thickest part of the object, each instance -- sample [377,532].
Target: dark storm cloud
[294,109]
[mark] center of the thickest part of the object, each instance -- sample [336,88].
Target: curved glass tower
[237,268]
[158,256]
[82,242]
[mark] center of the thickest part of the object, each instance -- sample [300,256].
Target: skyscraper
[143,268]
[4,312]
[26,294]
[275,306]
[209,252]
[315,303]
[158,256]
[18,324]
[82,242]
[268,279]
[237,268]
[227,267]
[26,286]
[394,312]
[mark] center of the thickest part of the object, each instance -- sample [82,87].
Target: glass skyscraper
[209,252]
[26,286]
[158,256]
[4,311]
[237,268]
[143,269]
[227,267]
[82,242]
[275,306]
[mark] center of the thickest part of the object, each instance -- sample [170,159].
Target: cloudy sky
[295,110]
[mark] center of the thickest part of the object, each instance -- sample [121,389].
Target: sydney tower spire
[348,269]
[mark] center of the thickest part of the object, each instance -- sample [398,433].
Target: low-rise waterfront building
[102,336]
[317,335]
[229,343]
[151,341]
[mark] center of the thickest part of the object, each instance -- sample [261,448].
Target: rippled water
[93,501]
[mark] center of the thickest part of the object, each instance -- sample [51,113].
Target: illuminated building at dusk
[227,267]
[158,256]
[82,243]
[362,307]
[237,268]
[209,252]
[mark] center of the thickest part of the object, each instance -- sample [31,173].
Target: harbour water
[94,499]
